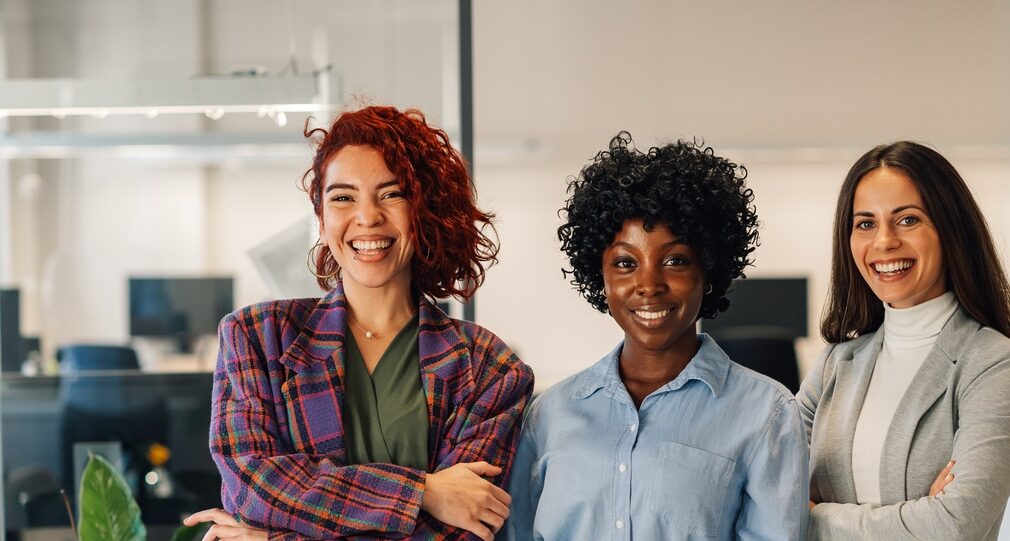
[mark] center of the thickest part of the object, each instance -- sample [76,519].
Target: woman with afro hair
[665,437]
[369,413]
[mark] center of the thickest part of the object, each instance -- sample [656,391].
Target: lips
[892,268]
[371,249]
[366,245]
[651,316]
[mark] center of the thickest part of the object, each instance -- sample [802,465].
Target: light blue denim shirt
[718,453]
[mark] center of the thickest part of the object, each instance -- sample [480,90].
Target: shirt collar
[710,366]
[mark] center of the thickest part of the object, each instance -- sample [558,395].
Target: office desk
[33,412]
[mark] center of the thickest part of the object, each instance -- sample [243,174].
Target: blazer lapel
[314,394]
[443,353]
[931,381]
[851,381]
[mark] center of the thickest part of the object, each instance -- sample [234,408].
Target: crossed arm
[303,496]
[963,509]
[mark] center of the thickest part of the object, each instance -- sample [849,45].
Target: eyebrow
[352,187]
[893,211]
[629,245]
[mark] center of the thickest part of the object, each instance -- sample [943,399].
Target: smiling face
[894,243]
[654,286]
[366,221]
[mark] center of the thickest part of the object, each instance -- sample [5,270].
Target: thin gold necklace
[369,334]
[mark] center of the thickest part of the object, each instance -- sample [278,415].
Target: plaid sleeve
[486,427]
[296,495]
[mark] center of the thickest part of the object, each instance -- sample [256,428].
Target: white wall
[796,91]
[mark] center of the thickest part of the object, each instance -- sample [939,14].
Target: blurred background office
[150,152]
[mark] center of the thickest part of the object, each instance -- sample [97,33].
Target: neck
[380,309]
[660,366]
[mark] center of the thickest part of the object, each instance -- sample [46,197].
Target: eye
[340,198]
[395,194]
[908,220]
[677,260]
[863,225]
[624,263]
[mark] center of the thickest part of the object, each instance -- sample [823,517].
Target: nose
[650,282]
[886,239]
[368,213]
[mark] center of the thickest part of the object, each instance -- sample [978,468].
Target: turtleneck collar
[918,325]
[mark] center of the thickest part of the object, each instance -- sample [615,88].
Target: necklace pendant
[369,334]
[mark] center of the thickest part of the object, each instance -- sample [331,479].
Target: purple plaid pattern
[277,433]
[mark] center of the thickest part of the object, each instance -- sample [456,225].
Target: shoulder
[567,394]
[983,349]
[836,352]
[491,355]
[743,380]
[270,314]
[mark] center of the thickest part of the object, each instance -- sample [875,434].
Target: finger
[492,519]
[482,468]
[500,495]
[219,531]
[211,535]
[215,515]
[480,530]
[946,481]
[498,508]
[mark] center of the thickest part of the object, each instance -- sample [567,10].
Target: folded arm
[301,496]
[970,505]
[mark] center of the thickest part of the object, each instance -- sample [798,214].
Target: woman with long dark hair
[908,408]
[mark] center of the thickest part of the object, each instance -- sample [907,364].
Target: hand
[943,479]
[225,526]
[459,496]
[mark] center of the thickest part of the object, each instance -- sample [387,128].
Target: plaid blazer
[277,433]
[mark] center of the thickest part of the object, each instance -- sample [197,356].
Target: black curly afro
[701,197]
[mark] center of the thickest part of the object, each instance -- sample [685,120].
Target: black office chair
[38,492]
[83,358]
[97,407]
[767,350]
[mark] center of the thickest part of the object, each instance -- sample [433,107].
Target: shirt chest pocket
[690,489]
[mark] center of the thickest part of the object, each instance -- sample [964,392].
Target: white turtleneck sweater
[909,335]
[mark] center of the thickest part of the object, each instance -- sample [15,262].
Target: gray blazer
[957,406]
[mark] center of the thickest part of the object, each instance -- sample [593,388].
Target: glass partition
[150,158]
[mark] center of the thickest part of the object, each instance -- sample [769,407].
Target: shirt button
[633,427]
[620,524]
[621,468]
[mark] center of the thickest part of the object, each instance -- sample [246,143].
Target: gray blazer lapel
[928,385]
[851,380]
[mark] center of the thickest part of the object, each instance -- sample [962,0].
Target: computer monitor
[179,308]
[11,351]
[44,418]
[764,303]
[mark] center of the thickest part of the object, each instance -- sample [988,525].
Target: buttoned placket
[622,467]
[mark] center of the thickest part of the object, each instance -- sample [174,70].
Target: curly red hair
[450,247]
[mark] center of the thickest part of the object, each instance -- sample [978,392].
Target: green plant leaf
[107,510]
[190,533]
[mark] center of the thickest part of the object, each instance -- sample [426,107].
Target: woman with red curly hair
[369,412]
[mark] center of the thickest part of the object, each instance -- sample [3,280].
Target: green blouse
[385,413]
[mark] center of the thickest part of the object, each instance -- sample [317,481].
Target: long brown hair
[973,269]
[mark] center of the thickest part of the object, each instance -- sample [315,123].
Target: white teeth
[651,315]
[371,244]
[892,267]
